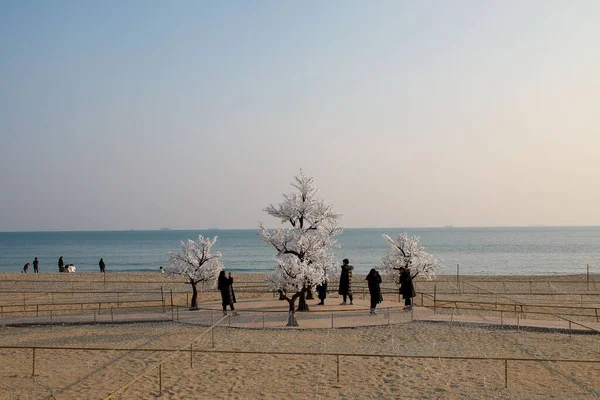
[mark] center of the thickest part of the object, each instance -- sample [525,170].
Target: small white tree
[304,256]
[407,252]
[196,265]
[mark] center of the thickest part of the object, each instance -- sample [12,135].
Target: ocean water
[479,251]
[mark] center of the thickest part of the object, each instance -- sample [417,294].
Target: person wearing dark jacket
[36,265]
[322,291]
[225,285]
[374,282]
[102,265]
[346,282]
[61,265]
[406,287]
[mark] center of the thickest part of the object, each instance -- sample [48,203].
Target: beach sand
[95,374]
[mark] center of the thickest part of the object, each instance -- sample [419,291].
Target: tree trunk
[194,302]
[302,305]
[292,316]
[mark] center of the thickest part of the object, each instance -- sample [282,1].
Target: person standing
[25,268]
[346,282]
[102,265]
[374,282]
[225,286]
[36,264]
[406,287]
[61,264]
[322,292]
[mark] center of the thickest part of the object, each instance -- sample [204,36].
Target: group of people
[36,266]
[62,267]
[407,288]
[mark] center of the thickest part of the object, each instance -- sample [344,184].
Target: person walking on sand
[61,264]
[225,286]
[406,287]
[346,282]
[36,264]
[374,282]
[25,268]
[102,265]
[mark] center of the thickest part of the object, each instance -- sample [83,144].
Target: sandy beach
[73,374]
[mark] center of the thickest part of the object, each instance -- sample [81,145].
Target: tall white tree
[304,250]
[196,264]
[406,251]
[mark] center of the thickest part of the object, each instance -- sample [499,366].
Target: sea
[477,251]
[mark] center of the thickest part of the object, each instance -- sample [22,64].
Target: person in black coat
[374,282]
[102,265]
[406,287]
[36,265]
[225,285]
[346,282]
[322,291]
[61,264]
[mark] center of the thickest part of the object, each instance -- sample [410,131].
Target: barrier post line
[171,298]
[33,364]
[505,374]
[337,358]
[162,298]
[332,319]
[177,313]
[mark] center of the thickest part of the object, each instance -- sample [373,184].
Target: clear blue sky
[149,114]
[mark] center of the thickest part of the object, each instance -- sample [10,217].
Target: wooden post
[177,313]
[37,310]
[588,277]
[388,315]
[337,357]
[159,379]
[505,374]
[458,276]
[33,364]
[171,298]
[434,297]
[332,319]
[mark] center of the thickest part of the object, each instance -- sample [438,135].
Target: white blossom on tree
[407,252]
[196,264]
[304,251]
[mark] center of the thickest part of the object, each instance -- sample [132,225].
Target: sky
[189,115]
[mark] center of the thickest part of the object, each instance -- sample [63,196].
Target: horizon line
[348,227]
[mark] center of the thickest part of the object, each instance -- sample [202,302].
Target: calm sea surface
[489,251]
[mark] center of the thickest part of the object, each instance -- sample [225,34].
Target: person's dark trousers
[373,302]
[349,296]
[407,301]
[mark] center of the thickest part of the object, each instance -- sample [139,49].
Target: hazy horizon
[144,114]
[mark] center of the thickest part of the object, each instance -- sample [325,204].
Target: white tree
[407,252]
[304,255]
[196,265]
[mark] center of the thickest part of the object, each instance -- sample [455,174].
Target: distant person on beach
[161,269]
[102,265]
[374,282]
[61,264]
[36,264]
[346,282]
[406,287]
[322,292]
[227,294]
[25,268]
